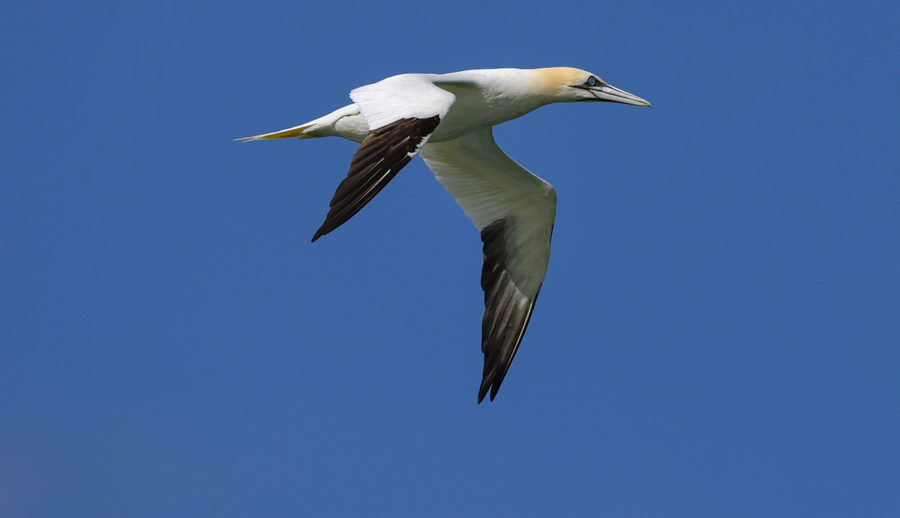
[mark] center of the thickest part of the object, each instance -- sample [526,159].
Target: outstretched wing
[514,210]
[402,112]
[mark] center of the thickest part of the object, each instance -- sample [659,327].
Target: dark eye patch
[592,81]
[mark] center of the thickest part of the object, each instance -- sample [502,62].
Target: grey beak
[612,94]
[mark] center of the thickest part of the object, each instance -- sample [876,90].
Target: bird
[448,120]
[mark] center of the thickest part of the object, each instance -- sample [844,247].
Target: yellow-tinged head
[567,84]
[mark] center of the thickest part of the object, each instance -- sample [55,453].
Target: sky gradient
[717,334]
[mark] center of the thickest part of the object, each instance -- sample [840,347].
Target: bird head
[565,84]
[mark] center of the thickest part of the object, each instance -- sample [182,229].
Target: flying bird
[448,120]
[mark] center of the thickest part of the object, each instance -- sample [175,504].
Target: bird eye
[592,81]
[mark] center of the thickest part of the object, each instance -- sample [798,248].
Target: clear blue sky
[718,334]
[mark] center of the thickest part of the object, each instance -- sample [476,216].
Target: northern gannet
[448,119]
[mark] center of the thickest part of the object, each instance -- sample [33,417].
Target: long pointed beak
[612,94]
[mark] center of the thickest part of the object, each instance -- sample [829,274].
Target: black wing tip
[481,394]
[507,311]
[482,391]
[491,382]
[380,156]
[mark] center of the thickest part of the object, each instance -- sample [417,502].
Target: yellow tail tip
[296,131]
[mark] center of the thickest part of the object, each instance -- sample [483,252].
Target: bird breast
[478,109]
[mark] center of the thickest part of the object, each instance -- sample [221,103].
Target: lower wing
[514,211]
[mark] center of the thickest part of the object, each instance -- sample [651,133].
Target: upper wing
[514,210]
[401,111]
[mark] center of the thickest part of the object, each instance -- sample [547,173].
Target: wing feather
[378,160]
[401,112]
[514,210]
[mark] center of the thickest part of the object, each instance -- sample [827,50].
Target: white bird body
[448,119]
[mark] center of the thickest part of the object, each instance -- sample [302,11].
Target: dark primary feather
[506,310]
[379,158]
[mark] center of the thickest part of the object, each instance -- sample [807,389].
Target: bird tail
[344,122]
[297,131]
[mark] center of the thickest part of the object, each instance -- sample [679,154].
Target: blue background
[717,334]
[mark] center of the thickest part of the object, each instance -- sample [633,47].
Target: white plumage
[448,119]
